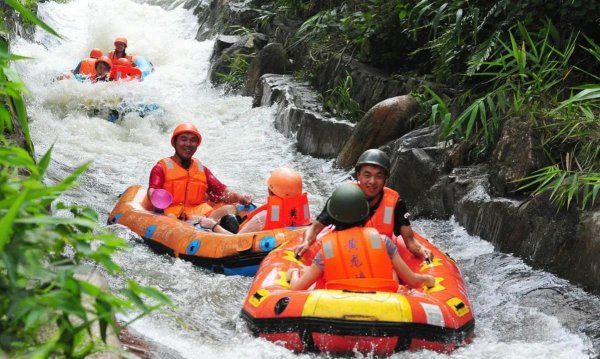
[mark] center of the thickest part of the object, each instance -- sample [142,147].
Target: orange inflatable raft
[344,321]
[229,254]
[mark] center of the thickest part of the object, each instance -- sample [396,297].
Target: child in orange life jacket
[287,205]
[354,257]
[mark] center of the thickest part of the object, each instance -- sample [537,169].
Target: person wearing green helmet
[354,257]
[387,212]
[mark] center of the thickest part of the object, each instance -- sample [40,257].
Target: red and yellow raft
[342,321]
[229,254]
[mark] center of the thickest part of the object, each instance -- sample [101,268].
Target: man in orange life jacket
[119,51]
[193,185]
[354,257]
[87,67]
[287,205]
[388,213]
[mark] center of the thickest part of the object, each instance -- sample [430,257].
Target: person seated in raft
[103,66]
[287,205]
[119,51]
[86,67]
[193,185]
[387,212]
[354,257]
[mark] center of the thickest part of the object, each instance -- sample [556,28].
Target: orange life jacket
[284,212]
[188,187]
[119,72]
[357,259]
[113,56]
[87,67]
[383,218]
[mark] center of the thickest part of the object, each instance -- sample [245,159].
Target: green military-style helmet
[374,157]
[348,204]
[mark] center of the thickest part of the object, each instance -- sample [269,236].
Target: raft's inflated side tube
[229,254]
[144,65]
[120,72]
[343,321]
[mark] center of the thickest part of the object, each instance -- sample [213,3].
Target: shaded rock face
[272,59]
[298,116]
[370,85]
[418,160]
[215,15]
[246,46]
[386,121]
[516,155]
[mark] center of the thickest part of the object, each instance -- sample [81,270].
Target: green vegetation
[531,60]
[236,70]
[46,255]
[340,103]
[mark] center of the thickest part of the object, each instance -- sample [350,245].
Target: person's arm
[157,179]
[402,227]
[309,236]
[307,279]
[218,192]
[235,197]
[207,222]
[409,277]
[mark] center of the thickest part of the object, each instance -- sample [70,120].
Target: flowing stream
[520,312]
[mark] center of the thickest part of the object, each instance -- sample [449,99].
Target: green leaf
[31,17]
[8,219]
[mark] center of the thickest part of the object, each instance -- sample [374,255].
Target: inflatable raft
[343,321]
[238,254]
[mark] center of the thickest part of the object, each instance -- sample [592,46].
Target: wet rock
[223,42]
[217,16]
[386,121]
[418,160]
[516,155]
[272,59]
[299,115]
[371,85]
[247,46]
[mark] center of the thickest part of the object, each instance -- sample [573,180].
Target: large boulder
[272,59]
[418,160]
[386,121]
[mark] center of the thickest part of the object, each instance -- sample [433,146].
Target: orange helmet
[122,40]
[185,128]
[285,182]
[123,62]
[104,59]
[96,53]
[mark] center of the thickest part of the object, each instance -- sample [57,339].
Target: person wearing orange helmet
[119,51]
[87,66]
[287,204]
[102,66]
[193,186]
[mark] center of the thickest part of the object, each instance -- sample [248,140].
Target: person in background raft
[87,67]
[193,185]
[353,257]
[103,66]
[119,51]
[387,212]
[287,205]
